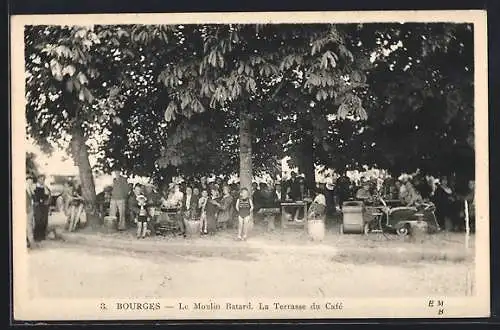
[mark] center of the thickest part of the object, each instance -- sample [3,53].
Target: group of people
[215,204]
[413,190]
[214,201]
[39,199]
[219,205]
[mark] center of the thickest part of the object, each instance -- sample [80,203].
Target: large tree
[69,72]
[422,96]
[207,98]
[242,68]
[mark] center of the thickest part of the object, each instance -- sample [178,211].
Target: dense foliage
[161,100]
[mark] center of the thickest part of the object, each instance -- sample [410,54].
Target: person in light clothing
[142,216]
[202,203]
[177,196]
[30,240]
[119,198]
[244,207]
[317,209]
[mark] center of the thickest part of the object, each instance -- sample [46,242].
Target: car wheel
[366,229]
[403,230]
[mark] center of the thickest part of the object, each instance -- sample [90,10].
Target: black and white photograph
[250,166]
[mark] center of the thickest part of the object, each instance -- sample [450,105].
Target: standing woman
[212,209]
[187,204]
[75,207]
[41,198]
[226,208]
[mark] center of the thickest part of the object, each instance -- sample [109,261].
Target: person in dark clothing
[41,200]
[294,190]
[444,200]
[266,196]
[277,195]
[194,202]
[212,209]
[256,196]
[329,189]
[133,205]
[423,187]
[225,214]
[103,200]
[255,187]
[343,188]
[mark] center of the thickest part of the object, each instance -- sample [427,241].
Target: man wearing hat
[343,188]
[330,197]
[41,199]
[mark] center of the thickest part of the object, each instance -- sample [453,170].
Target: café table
[294,204]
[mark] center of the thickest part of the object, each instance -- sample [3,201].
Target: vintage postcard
[293,165]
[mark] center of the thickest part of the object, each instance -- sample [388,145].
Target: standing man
[330,197]
[343,188]
[119,198]
[41,199]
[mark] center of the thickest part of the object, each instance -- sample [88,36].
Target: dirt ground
[284,264]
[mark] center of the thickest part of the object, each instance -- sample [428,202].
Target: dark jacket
[193,203]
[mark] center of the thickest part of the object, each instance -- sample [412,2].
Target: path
[118,265]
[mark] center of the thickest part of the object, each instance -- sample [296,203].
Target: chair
[168,222]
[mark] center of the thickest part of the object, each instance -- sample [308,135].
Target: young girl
[244,207]
[202,203]
[142,216]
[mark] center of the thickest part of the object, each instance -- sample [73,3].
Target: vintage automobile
[388,217]
[401,219]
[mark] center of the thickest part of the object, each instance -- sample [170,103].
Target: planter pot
[316,229]
[193,227]
[111,223]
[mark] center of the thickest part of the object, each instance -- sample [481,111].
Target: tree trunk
[81,158]
[307,162]
[245,151]
[307,153]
